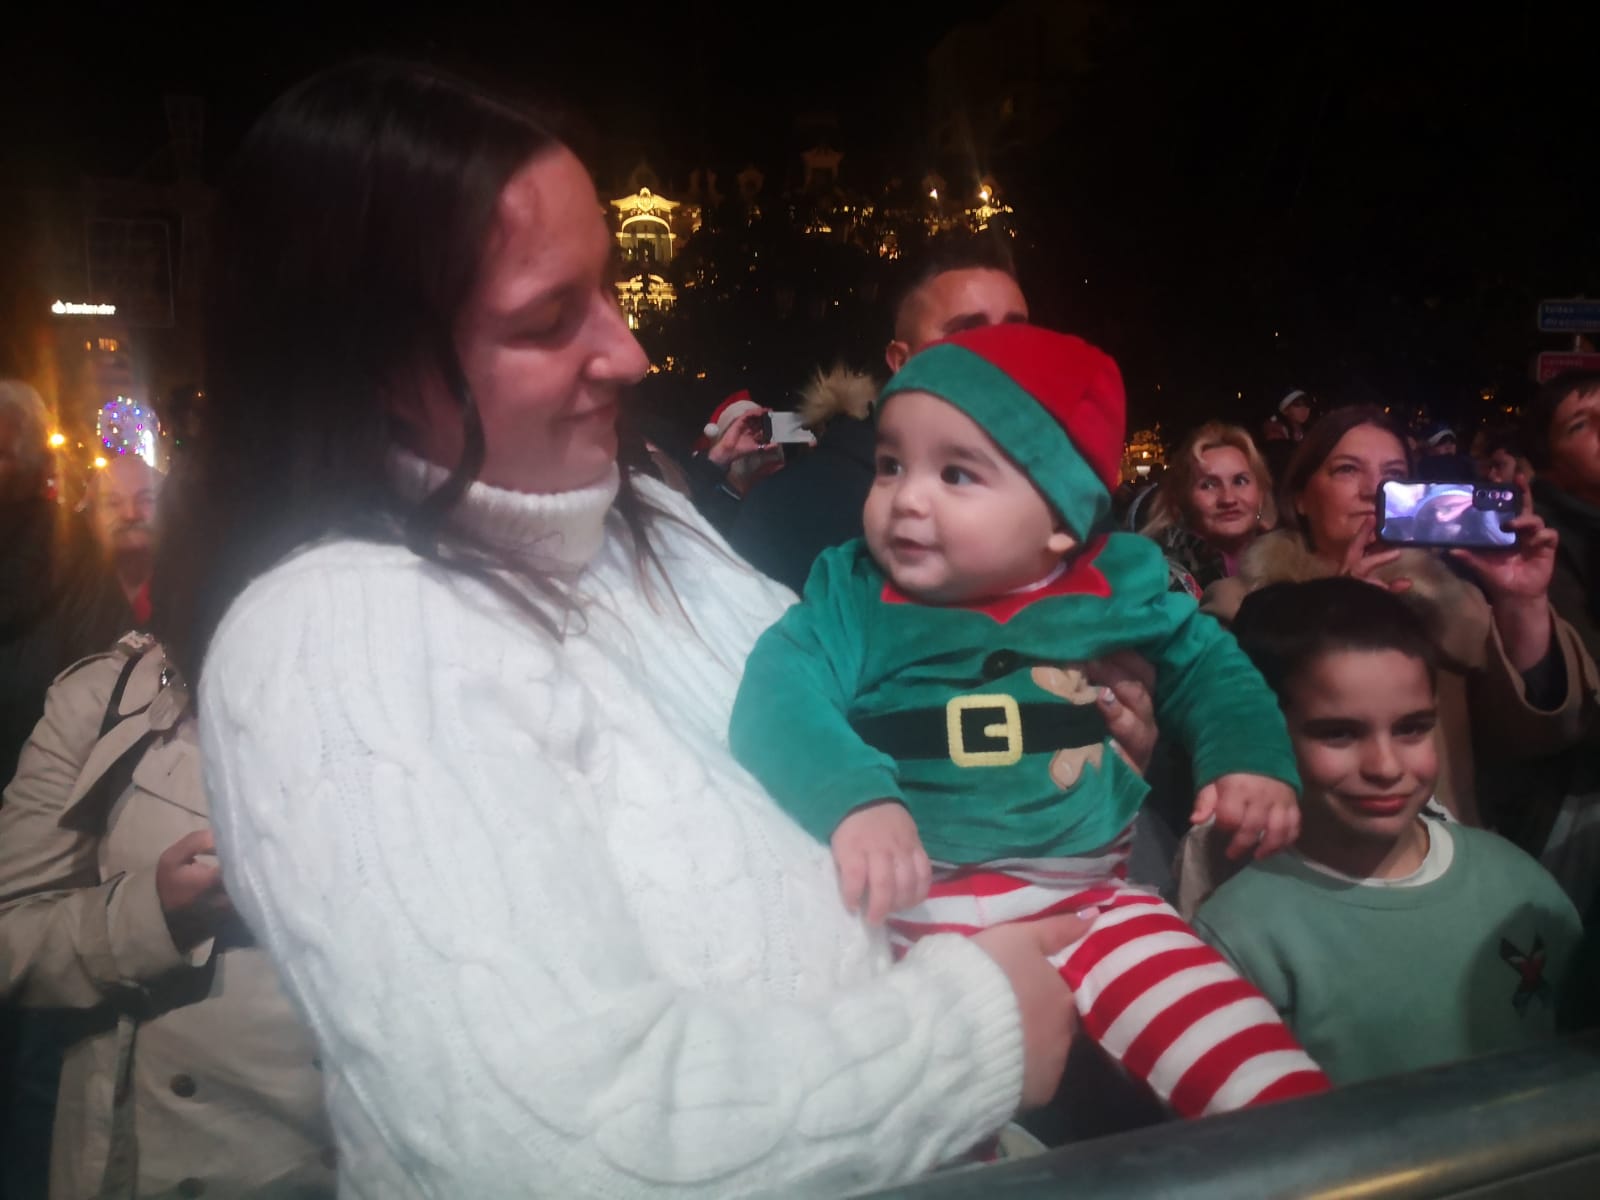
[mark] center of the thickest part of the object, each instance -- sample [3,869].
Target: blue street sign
[1569,316]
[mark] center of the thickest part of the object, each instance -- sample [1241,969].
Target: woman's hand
[191,892]
[1044,1001]
[741,438]
[1127,682]
[1359,564]
[1517,583]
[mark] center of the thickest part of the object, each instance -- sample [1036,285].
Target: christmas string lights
[127,427]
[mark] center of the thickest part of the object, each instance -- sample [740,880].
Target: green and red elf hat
[1051,401]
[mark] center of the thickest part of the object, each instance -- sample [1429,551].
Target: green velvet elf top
[977,718]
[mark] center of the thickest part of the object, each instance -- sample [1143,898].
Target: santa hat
[1292,395]
[1051,401]
[734,408]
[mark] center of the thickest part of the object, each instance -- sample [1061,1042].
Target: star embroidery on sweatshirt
[1529,966]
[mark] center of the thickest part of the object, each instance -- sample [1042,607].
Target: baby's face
[950,518]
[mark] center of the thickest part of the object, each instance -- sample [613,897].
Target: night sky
[1362,200]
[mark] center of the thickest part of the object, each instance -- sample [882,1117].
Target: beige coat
[200,1055]
[1483,711]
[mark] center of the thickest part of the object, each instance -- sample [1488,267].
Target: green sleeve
[790,724]
[1211,696]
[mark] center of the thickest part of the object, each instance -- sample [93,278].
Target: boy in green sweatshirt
[1389,939]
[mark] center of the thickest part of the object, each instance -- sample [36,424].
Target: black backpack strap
[89,812]
[113,717]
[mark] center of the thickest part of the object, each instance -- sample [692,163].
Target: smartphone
[783,427]
[1471,516]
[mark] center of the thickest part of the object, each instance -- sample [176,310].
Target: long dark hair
[1319,442]
[350,230]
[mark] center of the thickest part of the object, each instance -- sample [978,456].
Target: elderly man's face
[123,505]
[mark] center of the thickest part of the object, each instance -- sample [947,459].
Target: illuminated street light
[57,440]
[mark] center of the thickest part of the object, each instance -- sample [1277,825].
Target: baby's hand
[1261,813]
[882,865]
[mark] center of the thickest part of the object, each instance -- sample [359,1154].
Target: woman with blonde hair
[1214,499]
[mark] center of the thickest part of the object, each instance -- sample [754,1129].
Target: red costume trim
[1081,578]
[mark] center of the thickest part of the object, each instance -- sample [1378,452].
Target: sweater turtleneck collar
[551,531]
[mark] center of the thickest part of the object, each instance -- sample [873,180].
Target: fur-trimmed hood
[836,392]
[1455,612]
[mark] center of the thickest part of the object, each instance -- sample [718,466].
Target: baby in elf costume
[926,701]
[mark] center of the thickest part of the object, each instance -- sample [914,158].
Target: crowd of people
[469,798]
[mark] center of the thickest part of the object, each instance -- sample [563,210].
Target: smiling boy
[1387,939]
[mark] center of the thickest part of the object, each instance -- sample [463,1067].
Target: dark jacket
[1202,561]
[1575,590]
[815,502]
[58,603]
[710,492]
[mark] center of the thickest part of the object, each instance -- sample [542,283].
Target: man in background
[122,509]
[788,519]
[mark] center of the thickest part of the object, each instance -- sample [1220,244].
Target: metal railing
[1523,1125]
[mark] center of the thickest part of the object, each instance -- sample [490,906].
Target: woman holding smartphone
[1515,680]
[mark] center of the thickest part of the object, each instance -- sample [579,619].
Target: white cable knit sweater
[552,938]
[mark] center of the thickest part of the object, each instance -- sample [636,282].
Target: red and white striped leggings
[1160,1001]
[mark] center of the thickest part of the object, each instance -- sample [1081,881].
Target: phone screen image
[1446,514]
[786,427]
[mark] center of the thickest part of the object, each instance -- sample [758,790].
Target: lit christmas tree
[127,427]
